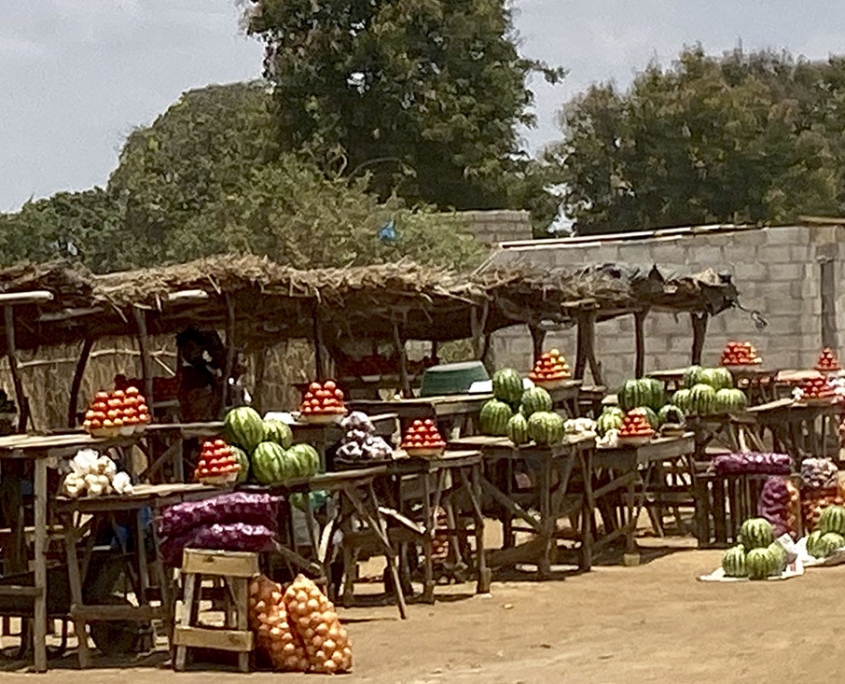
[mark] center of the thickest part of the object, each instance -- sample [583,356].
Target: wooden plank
[77,380]
[144,348]
[39,628]
[11,355]
[18,590]
[639,339]
[699,333]
[109,613]
[214,639]
[33,297]
[220,563]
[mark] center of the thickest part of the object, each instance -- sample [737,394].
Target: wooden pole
[77,380]
[582,342]
[258,387]
[639,333]
[538,337]
[144,348]
[230,350]
[828,297]
[403,361]
[699,333]
[11,354]
[590,345]
[318,346]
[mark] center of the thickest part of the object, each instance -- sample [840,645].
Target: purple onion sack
[235,507]
[230,537]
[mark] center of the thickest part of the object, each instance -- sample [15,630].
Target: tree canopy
[425,95]
[743,137]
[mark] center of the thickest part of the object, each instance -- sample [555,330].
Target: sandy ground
[652,623]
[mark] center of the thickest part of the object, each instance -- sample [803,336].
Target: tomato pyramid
[423,434]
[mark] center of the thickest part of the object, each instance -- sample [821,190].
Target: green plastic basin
[452,378]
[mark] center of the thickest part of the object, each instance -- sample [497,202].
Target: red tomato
[118,394]
[219,443]
[330,385]
[338,394]
[429,423]
[314,387]
[131,392]
[214,470]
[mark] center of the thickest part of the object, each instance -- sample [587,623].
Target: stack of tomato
[423,435]
[323,399]
[740,354]
[118,412]
[827,361]
[551,367]
[818,389]
[635,424]
[217,462]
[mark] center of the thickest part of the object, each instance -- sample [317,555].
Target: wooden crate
[722,503]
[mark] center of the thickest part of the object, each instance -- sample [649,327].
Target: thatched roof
[273,302]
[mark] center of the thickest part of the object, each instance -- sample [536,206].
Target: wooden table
[79,515]
[452,412]
[758,382]
[552,468]
[630,471]
[799,429]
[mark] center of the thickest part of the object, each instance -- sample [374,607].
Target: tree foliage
[425,95]
[744,137]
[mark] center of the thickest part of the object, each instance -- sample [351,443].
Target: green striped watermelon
[270,464]
[611,418]
[494,417]
[691,376]
[518,429]
[733,562]
[243,427]
[683,400]
[535,399]
[305,460]
[278,432]
[730,401]
[546,428]
[759,563]
[243,459]
[756,533]
[507,386]
[832,519]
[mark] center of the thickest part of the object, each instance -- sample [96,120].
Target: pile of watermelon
[709,392]
[520,414]
[268,447]
[829,536]
[758,556]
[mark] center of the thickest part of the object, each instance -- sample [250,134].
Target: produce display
[583,427]
[360,442]
[643,392]
[423,438]
[671,416]
[517,429]
[90,474]
[322,400]
[758,556]
[121,412]
[312,616]
[740,354]
[273,464]
[508,386]
[827,361]
[243,427]
[751,463]
[278,432]
[829,535]
[237,521]
[819,473]
[709,392]
[275,636]
[817,389]
[611,418]
[780,504]
[636,426]
[550,368]
[243,461]
[217,464]
[546,428]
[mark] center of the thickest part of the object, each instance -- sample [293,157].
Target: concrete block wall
[775,269]
[493,227]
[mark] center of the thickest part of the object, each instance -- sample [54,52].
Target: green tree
[425,95]
[743,137]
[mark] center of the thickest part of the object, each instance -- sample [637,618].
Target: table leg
[80,626]
[587,512]
[547,521]
[428,524]
[484,575]
[40,616]
[631,551]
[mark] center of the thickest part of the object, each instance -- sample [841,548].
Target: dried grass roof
[273,302]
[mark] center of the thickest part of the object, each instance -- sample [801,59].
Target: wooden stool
[235,570]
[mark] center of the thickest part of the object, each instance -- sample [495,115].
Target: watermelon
[304,460]
[683,400]
[270,464]
[730,401]
[813,546]
[243,427]
[733,562]
[507,386]
[759,563]
[494,417]
[545,428]
[535,399]
[756,533]
[778,554]
[832,519]
[703,399]
[278,432]
[717,378]
[628,395]
[243,459]
[691,376]
[518,429]
[611,418]
[830,542]
[670,415]
[653,394]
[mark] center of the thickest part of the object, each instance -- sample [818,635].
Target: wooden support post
[828,297]
[77,380]
[318,346]
[399,343]
[581,345]
[230,352]
[639,334]
[590,345]
[538,337]
[699,332]
[146,360]
[11,354]
[258,385]
[434,351]
[39,628]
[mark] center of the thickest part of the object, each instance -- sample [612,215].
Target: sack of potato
[269,620]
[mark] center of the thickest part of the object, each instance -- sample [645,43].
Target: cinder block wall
[776,270]
[493,227]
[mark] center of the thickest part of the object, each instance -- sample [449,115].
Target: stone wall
[776,271]
[493,227]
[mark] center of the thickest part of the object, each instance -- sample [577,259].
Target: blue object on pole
[387,233]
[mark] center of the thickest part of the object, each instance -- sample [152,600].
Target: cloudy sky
[77,75]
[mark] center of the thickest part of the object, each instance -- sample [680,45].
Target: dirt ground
[652,623]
